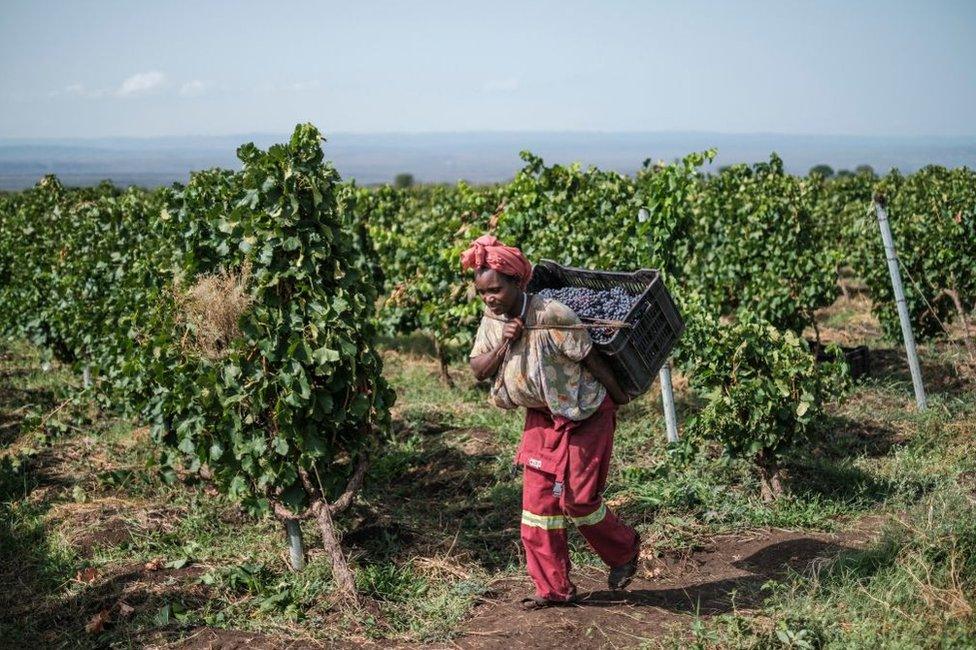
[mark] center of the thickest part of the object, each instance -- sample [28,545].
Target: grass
[914,587]
[88,525]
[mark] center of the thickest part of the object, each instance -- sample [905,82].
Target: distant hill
[447,157]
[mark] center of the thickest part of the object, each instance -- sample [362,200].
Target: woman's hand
[486,365]
[620,398]
[513,330]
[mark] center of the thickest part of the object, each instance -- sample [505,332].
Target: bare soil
[671,590]
[107,522]
[209,638]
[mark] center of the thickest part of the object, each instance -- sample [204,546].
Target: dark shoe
[620,576]
[535,602]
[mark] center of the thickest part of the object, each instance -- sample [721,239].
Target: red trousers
[566,465]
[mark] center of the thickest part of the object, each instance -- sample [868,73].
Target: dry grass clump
[211,309]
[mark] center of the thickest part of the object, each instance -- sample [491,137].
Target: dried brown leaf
[98,621]
[86,576]
[125,610]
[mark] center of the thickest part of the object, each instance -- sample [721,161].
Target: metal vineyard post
[906,323]
[667,391]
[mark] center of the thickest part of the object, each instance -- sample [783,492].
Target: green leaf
[783,387]
[161,618]
[325,355]
[291,243]
[186,445]
[232,371]
[281,446]
[237,488]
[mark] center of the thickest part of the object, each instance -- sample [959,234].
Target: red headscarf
[486,252]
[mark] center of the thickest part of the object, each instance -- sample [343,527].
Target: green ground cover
[89,527]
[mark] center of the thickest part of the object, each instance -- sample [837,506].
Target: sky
[99,68]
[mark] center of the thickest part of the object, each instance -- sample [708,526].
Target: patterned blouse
[543,369]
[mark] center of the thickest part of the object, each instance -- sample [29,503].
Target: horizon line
[8,139]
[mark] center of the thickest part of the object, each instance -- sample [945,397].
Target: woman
[539,361]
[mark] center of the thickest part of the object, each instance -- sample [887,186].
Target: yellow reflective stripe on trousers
[549,522]
[594,517]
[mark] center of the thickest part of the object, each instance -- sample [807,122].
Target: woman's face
[498,292]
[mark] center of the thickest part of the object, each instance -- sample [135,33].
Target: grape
[590,304]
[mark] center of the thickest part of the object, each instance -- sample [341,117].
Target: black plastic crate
[858,359]
[635,354]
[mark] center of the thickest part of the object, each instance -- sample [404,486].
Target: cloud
[509,85]
[193,88]
[140,83]
[78,90]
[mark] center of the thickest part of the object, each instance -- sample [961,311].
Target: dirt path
[725,577]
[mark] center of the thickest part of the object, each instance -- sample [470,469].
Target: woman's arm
[486,365]
[598,367]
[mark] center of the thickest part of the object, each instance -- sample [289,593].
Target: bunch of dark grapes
[593,304]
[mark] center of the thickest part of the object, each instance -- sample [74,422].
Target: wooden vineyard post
[906,323]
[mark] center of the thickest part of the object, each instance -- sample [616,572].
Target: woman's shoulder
[491,322]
